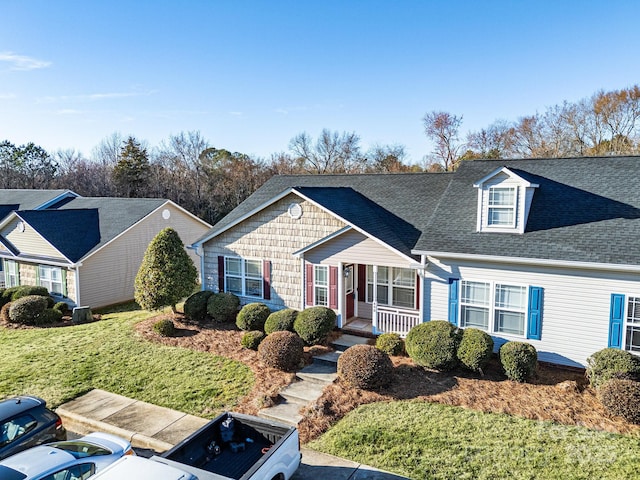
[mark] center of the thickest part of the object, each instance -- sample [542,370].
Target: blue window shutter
[616,320]
[535,313]
[454,287]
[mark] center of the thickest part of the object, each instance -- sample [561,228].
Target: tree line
[210,181]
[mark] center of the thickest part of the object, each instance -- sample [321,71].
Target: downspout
[77,274]
[423,268]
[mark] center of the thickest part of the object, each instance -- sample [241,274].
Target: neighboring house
[86,251]
[544,251]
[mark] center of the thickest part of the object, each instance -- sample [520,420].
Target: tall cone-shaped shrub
[167,274]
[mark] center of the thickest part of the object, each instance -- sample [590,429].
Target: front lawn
[424,440]
[60,364]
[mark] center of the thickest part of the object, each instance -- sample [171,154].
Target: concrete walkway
[158,428]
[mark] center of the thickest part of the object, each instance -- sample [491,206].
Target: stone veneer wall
[272,235]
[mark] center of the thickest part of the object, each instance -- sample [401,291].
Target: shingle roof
[584,210]
[72,232]
[22,199]
[392,207]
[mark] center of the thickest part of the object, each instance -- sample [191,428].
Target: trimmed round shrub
[475,349]
[252,316]
[26,290]
[282,350]
[519,360]
[365,366]
[252,339]
[195,306]
[49,316]
[7,293]
[27,310]
[390,343]
[280,321]
[223,307]
[621,397]
[4,312]
[164,327]
[314,324]
[61,307]
[433,344]
[612,363]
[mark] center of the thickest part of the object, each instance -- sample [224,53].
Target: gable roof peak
[506,171]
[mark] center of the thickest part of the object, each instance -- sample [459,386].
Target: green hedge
[519,360]
[281,320]
[195,306]
[611,363]
[314,324]
[223,307]
[434,344]
[475,349]
[252,317]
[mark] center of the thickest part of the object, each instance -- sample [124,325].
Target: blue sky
[250,75]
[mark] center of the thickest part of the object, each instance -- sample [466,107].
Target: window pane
[501,196]
[509,322]
[404,277]
[253,268]
[633,339]
[403,297]
[383,275]
[234,285]
[500,216]
[476,317]
[512,297]
[253,288]
[321,275]
[233,266]
[383,294]
[475,292]
[321,296]
[633,310]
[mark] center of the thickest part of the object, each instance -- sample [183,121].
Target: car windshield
[80,449]
[7,473]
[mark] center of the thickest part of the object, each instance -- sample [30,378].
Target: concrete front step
[302,392]
[330,358]
[318,372]
[345,341]
[287,413]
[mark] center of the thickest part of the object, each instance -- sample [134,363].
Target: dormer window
[504,200]
[502,207]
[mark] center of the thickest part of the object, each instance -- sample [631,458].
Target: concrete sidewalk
[158,428]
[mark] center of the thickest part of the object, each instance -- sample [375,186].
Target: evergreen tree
[131,173]
[166,275]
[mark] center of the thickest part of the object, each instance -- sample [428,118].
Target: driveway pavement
[158,429]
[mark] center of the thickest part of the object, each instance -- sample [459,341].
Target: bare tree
[332,152]
[388,159]
[443,129]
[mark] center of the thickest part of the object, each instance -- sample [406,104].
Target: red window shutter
[309,281]
[362,282]
[266,279]
[417,292]
[333,287]
[220,273]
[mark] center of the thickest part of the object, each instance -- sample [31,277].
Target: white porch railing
[395,320]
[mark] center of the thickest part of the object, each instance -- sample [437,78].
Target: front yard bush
[223,307]
[195,306]
[314,324]
[390,343]
[49,316]
[4,312]
[281,320]
[252,316]
[434,344]
[26,290]
[282,350]
[612,363]
[61,307]
[621,397]
[252,339]
[164,327]
[475,349]
[365,367]
[28,310]
[519,360]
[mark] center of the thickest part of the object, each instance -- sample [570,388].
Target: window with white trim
[12,274]
[632,331]
[502,207]
[243,277]
[494,308]
[50,278]
[395,286]
[321,285]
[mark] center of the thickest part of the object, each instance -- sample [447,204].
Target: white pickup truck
[232,446]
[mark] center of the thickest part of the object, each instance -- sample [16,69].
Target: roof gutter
[531,261]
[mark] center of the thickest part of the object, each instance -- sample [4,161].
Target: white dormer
[504,200]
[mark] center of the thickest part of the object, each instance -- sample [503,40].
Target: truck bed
[251,444]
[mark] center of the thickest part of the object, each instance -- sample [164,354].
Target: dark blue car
[25,422]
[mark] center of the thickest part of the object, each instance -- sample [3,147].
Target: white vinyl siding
[575,310]
[29,241]
[243,277]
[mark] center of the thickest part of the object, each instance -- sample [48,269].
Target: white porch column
[340,293]
[374,305]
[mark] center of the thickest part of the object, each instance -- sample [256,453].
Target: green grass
[430,441]
[59,364]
